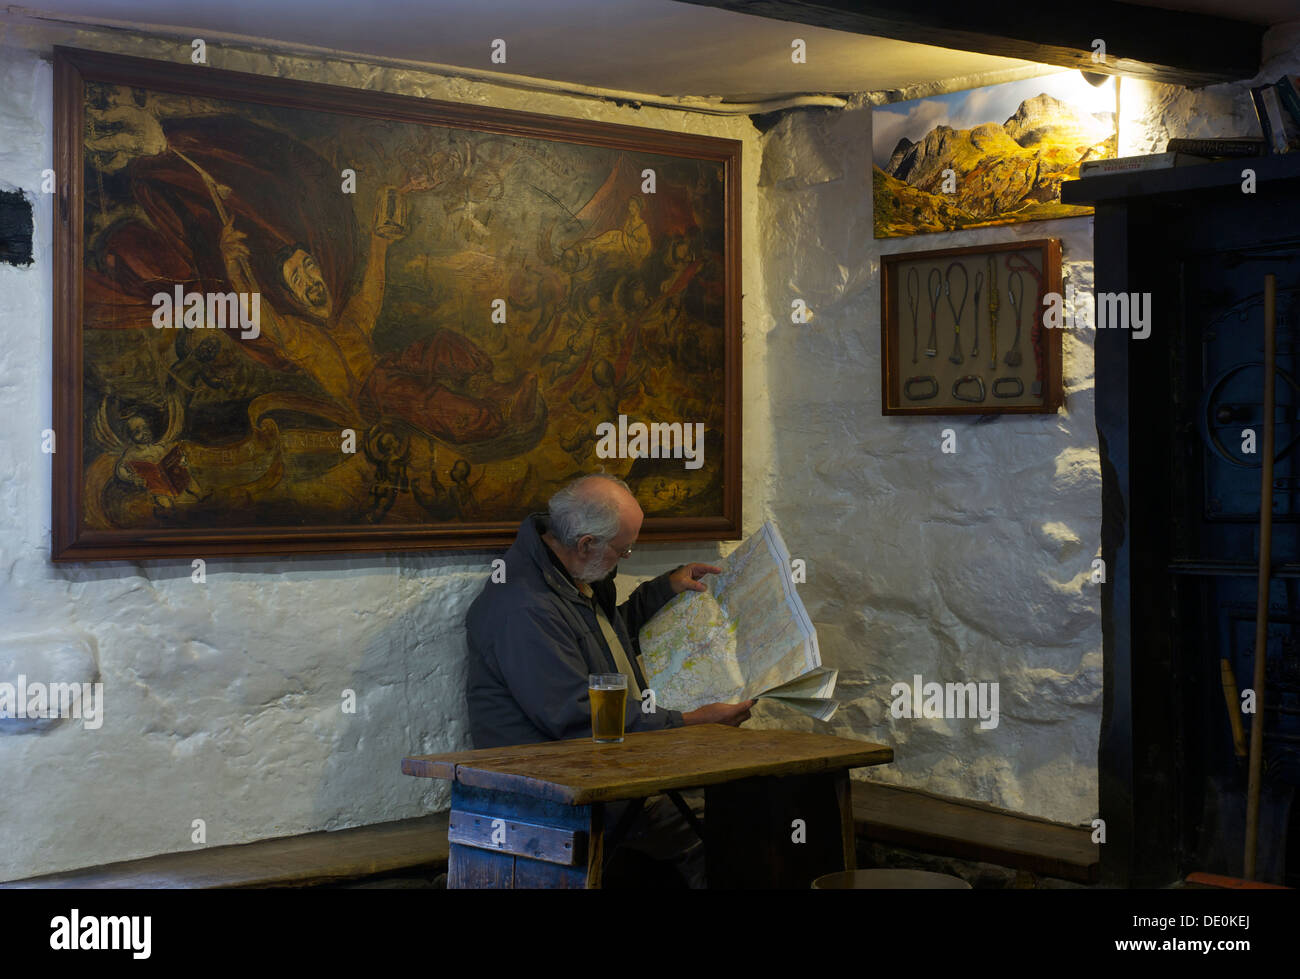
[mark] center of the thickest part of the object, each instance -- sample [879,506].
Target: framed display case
[962,330]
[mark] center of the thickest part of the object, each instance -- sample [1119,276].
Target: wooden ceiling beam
[1169,46]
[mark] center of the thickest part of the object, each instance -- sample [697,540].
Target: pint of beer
[608,693]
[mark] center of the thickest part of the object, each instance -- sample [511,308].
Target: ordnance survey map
[748,636]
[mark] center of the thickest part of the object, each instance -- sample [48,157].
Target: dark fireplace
[1176,413]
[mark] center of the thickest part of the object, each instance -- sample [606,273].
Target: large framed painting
[988,156]
[295,317]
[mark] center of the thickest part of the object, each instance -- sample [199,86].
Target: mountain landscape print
[1008,148]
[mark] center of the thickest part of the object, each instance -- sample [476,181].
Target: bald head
[594,520]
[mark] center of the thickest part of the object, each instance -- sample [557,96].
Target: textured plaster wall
[970,566]
[1153,112]
[223,699]
[973,566]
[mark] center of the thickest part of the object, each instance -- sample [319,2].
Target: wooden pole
[1265,574]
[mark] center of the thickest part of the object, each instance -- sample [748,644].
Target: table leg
[513,841]
[595,846]
[848,832]
[779,831]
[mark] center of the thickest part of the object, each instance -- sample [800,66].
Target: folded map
[747,636]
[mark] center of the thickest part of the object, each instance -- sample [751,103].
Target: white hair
[575,514]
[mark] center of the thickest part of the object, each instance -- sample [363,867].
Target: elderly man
[536,637]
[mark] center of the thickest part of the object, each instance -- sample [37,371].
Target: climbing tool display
[968,290]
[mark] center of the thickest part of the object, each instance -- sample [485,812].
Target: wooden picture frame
[929,338]
[527,280]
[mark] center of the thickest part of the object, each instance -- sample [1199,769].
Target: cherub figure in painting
[156,465]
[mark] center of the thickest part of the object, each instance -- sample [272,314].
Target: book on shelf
[1281,130]
[1217,146]
[1131,164]
[1289,96]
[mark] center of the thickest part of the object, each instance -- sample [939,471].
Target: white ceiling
[653,47]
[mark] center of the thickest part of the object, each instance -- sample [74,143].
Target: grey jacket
[533,641]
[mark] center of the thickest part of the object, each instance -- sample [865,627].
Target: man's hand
[733,714]
[687,578]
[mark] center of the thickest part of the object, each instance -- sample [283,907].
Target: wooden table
[534,815]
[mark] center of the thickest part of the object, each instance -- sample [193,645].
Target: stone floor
[428,880]
[981,876]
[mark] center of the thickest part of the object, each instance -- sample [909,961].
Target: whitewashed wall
[973,566]
[223,699]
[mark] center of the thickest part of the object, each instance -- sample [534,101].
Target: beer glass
[608,693]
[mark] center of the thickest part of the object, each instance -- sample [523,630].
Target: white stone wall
[223,700]
[966,567]
[1152,112]
[972,566]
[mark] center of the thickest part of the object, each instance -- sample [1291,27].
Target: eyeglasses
[626,552]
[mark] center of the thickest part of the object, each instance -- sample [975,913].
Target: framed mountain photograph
[988,156]
[296,317]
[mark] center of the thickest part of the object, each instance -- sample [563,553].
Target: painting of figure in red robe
[300,319]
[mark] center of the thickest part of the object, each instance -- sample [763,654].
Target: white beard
[594,570]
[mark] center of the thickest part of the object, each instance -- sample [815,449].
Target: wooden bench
[949,827]
[882,813]
[290,861]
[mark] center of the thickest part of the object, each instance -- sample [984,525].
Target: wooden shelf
[1220,175]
